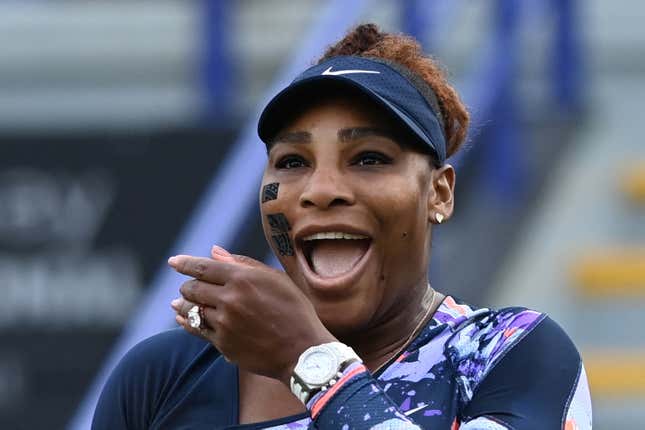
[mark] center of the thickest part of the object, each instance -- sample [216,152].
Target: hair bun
[368,41]
[361,39]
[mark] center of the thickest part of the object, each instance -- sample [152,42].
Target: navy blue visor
[377,80]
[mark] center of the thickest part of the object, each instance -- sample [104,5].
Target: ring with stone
[196,317]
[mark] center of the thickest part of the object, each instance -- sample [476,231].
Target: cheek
[401,211]
[400,207]
[410,203]
[279,233]
[275,219]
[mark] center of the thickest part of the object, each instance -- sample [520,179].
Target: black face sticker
[270,192]
[278,223]
[279,233]
[283,243]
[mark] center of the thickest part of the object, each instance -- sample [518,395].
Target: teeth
[334,235]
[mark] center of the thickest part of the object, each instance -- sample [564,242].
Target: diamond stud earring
[439,218]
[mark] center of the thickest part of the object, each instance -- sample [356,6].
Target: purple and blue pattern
[433,381]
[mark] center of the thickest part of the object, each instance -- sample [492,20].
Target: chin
[345,315]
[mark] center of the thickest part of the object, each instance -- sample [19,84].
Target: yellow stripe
[615,373]
[633,183]
[611,272]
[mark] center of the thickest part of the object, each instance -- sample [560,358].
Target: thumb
[248,261]
[220,254]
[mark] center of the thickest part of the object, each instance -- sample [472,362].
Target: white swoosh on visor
[346,72]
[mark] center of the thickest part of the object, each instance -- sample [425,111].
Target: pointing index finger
[204,269]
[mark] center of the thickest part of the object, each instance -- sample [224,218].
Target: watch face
[318,367]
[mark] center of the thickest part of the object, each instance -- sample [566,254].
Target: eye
[371,159]
[291,162]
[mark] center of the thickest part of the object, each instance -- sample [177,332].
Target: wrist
[287,372]
[319,368]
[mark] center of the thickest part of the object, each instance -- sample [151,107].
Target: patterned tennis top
[469,368]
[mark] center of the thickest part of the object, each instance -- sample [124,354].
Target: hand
[254,314]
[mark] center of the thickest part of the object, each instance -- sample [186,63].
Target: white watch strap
[345,355]
[296,389]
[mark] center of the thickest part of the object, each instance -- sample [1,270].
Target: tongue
[334,257]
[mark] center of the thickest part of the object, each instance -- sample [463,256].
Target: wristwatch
[320,367]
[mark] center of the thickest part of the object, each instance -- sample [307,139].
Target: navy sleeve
[356,401]
[135,391]
[532,386]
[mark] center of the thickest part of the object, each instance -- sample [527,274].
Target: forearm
[357,401]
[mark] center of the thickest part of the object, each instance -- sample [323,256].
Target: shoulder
[515,366]
[159,358]
[171,347]
[520,367]
[483,338]
[508,338]
[146,375]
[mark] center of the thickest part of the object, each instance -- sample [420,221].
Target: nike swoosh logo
[345,72]
[411,411]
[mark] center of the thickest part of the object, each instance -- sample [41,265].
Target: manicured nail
[175,303]
[221,251]
[173,261]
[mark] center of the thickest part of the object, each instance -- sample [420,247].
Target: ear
[441,196]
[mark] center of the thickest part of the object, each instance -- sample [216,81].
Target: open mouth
[333,254]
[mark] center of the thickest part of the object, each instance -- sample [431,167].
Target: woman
[350,335]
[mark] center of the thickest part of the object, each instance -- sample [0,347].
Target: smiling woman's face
[359,207]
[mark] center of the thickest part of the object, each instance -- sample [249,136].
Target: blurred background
[127,134]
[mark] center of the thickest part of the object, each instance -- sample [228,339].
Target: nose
[326,188]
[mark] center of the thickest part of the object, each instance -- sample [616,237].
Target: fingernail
[172,260]
[221,251]
[175,303]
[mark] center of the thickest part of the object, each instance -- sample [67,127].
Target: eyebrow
[289,137]
[292,137]
[344,135]
[356,133]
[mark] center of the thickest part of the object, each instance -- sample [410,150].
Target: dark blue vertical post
[216,60]
[505,171]
[414,20]
[567,74]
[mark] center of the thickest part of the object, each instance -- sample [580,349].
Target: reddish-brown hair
[366,40]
